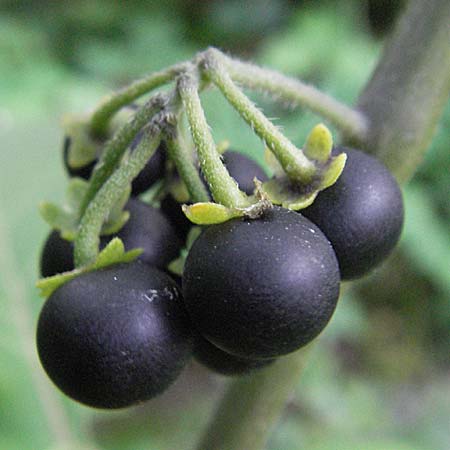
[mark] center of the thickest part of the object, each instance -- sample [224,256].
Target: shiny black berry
[115,337]
[361,214]
[261,288]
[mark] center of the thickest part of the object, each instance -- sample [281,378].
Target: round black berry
[261,288]
[151,230]
[56,256]
[147,228]
[361,214]
[224,363]
[114,337]
[243,170]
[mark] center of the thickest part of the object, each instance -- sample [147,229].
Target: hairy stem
[350,121]
[252,405]
[88,236]
[101,116]
[223,187]
[117,145]
[409,88]
[297,167]
[179,154]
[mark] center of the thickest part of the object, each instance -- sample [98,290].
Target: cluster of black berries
[251,290]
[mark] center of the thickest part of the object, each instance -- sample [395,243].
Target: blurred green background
[377,378]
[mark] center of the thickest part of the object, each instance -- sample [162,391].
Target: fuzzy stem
[409,88]
[251,406]
[108,107]
[88,236]
[180,155]
[350,121]
[223,187]
[297,167]
[116,146]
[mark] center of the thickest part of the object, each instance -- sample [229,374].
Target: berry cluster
[252,290]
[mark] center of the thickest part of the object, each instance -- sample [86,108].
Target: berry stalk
[88,238]
[297,167]
[117,145]
[101,116]
[223,187]
[179,154]
[295,92]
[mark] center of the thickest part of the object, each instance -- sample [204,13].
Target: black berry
[261,288]
[224,363]
[147,228]
[361,214]
[114,337]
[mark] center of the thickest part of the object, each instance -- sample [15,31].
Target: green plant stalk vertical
[415,67]
[410,87]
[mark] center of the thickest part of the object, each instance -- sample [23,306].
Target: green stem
[101,116]
[409,88]
[297,167]
[180,155]
[117,145]
[88,237]
[223,187]
[252,405]
[350,121]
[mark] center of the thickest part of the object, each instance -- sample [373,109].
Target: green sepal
[208,213]
[177,265]
[319,144]
[59,219]
[66,218]
[117,217]
[83,148]
[281,191]
[272,163]
[113,253]
[333,171]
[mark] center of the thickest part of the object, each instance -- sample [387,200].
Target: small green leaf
[113,253]
[333,171]
[209,213]
[281,191]
[319,143]
[82,149]
[75,193]
[59,218]
[177,265]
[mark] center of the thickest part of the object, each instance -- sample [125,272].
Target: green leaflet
[113,253]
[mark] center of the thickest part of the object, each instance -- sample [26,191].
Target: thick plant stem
[252,405]
[223,187]
[87,240]
[101,116]
[294,92]
[409,88]
[116,146]
[297,167]
[186,167]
